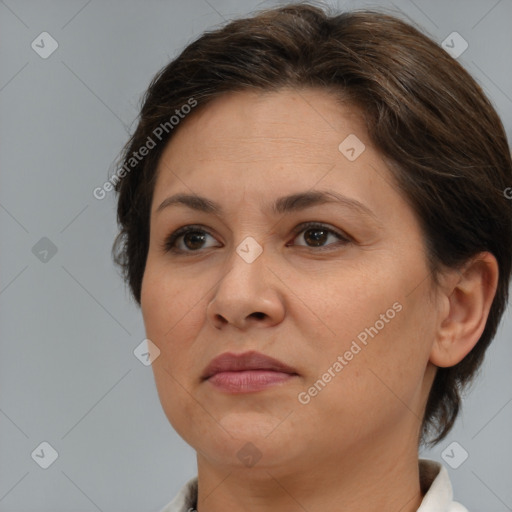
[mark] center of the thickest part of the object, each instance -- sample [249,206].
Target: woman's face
[344,302]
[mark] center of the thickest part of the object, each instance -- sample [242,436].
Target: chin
[249,449]
[249,425]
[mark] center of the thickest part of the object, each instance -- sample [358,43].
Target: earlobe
[469,297]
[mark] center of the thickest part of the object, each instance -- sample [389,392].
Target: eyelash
[169,244]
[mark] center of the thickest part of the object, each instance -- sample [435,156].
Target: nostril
[258,315]
[222,319]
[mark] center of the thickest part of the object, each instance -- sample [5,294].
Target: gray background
[68,375]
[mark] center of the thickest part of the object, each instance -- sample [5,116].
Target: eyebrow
[290,203]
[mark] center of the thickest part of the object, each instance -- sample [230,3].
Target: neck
[364,480]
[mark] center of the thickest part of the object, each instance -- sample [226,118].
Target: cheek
[168,326]
[172,311]
[168,305]
[338,304]
[175,398]
[388,373]
[382,331]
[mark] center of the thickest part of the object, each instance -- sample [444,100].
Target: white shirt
[434,480]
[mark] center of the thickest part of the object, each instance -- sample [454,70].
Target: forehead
[253,144]
[290,126]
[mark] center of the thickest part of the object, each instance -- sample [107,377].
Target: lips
[230,362]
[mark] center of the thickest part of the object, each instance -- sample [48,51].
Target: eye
[187,239]
[317,234]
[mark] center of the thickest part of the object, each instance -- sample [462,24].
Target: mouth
[247,372]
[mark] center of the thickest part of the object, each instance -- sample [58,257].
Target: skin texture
[354,446]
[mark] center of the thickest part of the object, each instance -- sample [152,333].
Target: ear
[467,295]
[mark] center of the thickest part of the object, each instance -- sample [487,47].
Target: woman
[313,221]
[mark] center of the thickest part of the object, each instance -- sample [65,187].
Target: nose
[247,294]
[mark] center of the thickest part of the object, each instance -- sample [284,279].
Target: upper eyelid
[300,227]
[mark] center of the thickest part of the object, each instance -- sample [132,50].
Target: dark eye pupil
[319,237]
[195,237]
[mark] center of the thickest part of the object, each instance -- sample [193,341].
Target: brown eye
[193,239]
[187,239]
[316,235]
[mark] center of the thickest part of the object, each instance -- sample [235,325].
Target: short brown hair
[423,111]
